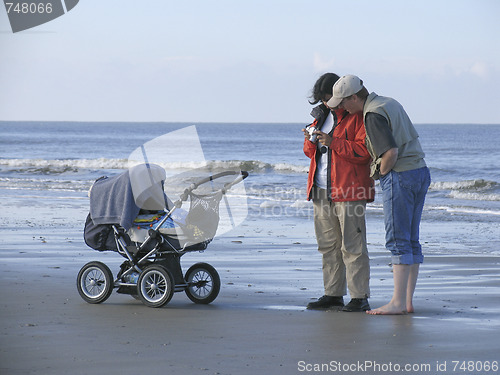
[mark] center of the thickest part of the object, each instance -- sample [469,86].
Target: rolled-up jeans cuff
[407,259]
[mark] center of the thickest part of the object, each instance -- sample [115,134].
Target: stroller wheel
[155,286]
[203,283]
[95,282]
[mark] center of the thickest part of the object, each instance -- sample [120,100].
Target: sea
[53,163]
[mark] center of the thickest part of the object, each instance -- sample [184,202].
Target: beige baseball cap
[346,86]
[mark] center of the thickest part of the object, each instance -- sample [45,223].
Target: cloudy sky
[250,61]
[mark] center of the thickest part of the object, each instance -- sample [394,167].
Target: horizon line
[220,122]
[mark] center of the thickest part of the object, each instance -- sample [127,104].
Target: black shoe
[326,302]
[357,305]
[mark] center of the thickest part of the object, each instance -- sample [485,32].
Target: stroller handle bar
[241,176]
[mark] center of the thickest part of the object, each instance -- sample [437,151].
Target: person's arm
[388,160]
[309,147]
[384,145]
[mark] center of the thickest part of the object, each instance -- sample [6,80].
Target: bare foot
[410,309]
[388,309]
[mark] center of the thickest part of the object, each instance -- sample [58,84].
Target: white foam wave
[464,210]
[478,184]
[474,196]
[478,189]
[44,184]
[56,166]
[302,204]
[283,167]
[64,164]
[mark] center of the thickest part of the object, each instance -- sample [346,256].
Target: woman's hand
[306,134]
[323,138]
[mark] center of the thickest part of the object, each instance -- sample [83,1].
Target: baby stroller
[131,214]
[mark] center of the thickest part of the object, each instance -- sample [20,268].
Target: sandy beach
[190,90]
[257,325]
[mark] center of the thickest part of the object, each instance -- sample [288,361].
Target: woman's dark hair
[322,87]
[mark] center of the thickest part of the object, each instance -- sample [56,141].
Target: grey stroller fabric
[112,201]
[118,199]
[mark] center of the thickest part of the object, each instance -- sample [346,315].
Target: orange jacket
[349,165]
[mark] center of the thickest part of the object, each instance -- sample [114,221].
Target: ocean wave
[465,210]
[478,190]
[44,166]
[44,184]
[478,184]
[474,196]
[59,166]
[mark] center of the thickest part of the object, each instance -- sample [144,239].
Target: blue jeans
[404,196]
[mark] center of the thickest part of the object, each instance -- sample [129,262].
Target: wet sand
[257,325]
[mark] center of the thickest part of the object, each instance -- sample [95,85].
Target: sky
[250,61]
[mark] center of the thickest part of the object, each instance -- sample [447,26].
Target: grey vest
[410,153]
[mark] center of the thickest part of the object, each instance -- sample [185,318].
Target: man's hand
[388,161]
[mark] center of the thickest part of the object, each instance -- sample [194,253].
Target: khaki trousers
[341,234]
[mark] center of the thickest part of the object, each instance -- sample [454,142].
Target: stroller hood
[147,186]
[118,199]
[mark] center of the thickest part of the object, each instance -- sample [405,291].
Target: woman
[339,185]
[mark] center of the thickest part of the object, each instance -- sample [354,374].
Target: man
[398,161]
[339,184]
